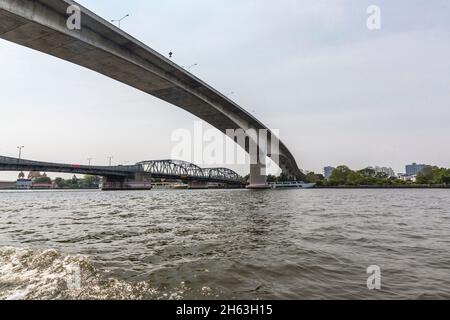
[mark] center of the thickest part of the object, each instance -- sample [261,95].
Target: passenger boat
[291,185]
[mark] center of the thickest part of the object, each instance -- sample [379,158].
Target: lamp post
[20,151]
[89,161]
[190,67]
[120,20]
[110,160]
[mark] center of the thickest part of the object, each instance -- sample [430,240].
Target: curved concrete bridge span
[100,46]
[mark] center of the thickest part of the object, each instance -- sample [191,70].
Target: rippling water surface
[224,244]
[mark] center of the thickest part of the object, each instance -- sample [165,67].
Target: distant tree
[446,177]
[440,175]
[312,177]
[300,176]
[382,175]
[42,180]
[60,183]
[73,183]
[367,172]
[339,176]
[354,179]
[425,176]
[89,181]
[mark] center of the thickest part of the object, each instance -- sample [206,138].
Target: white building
[24,183]
[407,178]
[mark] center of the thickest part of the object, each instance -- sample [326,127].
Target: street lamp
[190,67]
[20,151]
[89,161]
[110,160]
[120,20]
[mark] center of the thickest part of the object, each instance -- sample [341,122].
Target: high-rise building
[328,171]
[387,171]
[414,169]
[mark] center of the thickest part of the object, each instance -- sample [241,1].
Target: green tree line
[434,175]
[84,183]
[344,176]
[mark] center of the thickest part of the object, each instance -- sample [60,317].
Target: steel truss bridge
[161,169]
[174,169]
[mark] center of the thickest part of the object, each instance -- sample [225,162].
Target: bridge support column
[198,185]
[138,182]
[258,177]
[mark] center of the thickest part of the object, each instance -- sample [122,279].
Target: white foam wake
[48,274]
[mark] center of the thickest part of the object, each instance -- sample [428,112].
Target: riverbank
[412,186]
[40,189]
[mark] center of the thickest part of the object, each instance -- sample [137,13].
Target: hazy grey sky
[339,93]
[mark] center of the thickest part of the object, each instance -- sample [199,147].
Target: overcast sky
[338,92]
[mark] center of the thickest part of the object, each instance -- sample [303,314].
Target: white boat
[163,185]
[291,185]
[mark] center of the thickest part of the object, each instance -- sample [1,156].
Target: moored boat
[291,185]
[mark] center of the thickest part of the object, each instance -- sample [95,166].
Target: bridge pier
[258,177]
[138,182]
[198,185]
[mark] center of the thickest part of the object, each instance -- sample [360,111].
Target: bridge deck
[100,46]
[165,169]
[14,164]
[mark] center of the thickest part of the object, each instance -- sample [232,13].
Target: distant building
[32,181]
[327,172]
[24,183]
[36,185]
[407,178]
[414,169]
[385,170]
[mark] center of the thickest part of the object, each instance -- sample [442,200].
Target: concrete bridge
[100,46]
[136,176]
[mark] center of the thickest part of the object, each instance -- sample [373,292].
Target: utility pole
[20,151]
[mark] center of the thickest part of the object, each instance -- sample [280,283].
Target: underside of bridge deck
[100,46]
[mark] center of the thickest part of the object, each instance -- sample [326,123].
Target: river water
[224,244]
